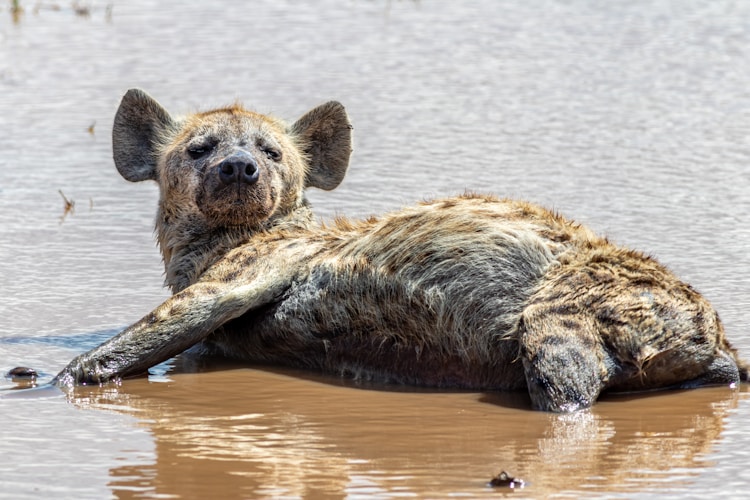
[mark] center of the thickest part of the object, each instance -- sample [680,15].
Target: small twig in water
[69,206]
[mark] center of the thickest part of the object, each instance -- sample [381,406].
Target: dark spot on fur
[571,324]
[699,338]
[644,282]
[588,342]
[563,309]
[543,382]
[609,316]
[541,353]
[556,236]
[573,356]
[555,340]
[699,322]
[231,276]
[598,258]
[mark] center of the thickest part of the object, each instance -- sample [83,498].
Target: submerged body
[469,292]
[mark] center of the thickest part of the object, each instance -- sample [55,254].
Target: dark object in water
[504,480]
[22,372]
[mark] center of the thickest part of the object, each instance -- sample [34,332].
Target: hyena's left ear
[325,135]
[139,123]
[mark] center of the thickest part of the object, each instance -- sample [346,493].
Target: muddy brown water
[631,117]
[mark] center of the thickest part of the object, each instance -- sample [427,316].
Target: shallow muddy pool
[631,117]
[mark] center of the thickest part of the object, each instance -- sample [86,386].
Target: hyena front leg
[565,364]
[180,322]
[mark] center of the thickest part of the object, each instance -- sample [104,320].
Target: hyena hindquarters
[613,319]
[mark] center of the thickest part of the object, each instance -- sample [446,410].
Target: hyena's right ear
[139,122]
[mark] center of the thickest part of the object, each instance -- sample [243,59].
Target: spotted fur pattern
[471,292]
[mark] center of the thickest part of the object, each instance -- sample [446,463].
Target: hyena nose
[238,168]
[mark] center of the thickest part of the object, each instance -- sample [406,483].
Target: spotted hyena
[472,292]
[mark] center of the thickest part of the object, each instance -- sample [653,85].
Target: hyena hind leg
[565,365]
[721,371]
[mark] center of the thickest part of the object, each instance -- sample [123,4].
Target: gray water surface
[632,117]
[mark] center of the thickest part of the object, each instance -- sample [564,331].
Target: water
[631,117]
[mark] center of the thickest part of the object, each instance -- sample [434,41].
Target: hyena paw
[564,380]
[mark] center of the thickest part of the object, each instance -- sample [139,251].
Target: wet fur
[470,292]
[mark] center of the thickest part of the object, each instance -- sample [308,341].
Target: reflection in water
[273,433]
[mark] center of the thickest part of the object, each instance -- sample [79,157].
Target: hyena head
[229,171]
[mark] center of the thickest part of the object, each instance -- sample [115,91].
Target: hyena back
[471,292]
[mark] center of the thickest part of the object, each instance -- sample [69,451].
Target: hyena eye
[272,153]
[199,150]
